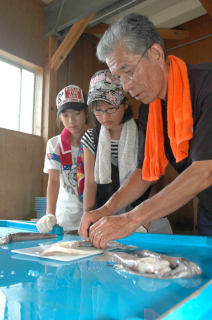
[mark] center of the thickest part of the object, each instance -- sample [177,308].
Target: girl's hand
[46,223]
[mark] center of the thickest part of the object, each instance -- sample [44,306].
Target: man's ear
[156,51]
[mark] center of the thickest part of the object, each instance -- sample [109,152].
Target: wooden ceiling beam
[207,4]
[97,29]
[164,33]
[67,44]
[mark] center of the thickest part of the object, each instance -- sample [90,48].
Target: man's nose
[127,86]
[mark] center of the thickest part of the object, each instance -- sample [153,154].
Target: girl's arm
[46,223]
[52,190]
[90,188]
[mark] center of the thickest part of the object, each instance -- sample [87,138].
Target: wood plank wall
[22,26]
[199,51]
[20,171]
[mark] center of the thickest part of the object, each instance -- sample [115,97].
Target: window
[17,92]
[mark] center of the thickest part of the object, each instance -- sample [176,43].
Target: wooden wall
[20,171]
[22,26]
[84,63]
[198,51]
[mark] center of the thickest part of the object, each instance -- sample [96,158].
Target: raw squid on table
[152,265]
[80,248]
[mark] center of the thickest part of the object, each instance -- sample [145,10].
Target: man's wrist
[113,204]
[138,215]
[109,208]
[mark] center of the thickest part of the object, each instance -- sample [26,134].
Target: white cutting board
[35,251]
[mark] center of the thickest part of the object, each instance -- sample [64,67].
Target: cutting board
[35,251]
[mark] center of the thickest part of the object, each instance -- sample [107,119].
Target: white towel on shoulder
[127,153]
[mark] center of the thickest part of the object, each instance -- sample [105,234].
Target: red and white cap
[71,97]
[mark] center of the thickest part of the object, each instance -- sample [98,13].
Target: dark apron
[105,191]
[204,225]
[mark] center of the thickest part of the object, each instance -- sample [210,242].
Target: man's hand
[131,190]
[90,218]
[112,228]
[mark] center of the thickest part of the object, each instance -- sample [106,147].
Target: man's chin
[143,98]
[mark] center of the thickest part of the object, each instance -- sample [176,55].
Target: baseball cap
[103,88]
[71,97]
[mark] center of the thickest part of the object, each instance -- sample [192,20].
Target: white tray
[34,251]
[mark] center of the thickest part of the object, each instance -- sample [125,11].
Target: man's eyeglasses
[99,112]
[127,78]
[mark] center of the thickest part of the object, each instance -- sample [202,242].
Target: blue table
[35,288]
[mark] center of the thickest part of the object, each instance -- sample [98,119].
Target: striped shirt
[88,141]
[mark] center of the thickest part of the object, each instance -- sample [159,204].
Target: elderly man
[175,125]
